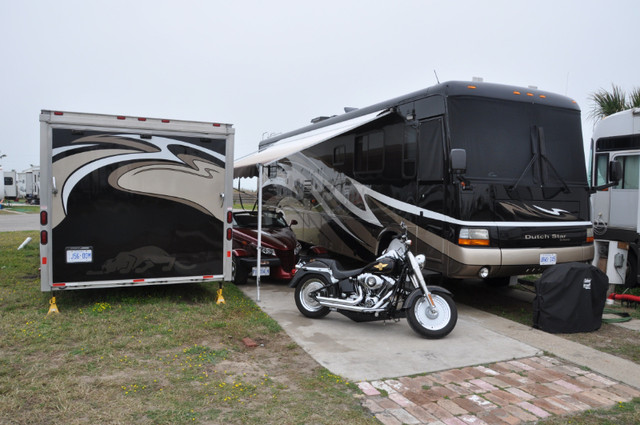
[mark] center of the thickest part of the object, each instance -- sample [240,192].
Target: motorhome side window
[431,151]
[630,170]
[339,153]
[602,161]
[409,152]
[368,154]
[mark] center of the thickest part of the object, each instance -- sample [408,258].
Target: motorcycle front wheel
[306,304]
[431,324]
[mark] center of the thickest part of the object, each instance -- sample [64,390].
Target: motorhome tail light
[44,237]
[473,237]
[590,235]
[44,218]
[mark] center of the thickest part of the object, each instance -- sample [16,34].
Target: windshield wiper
[539,154]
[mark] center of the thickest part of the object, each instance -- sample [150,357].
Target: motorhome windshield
[517,142]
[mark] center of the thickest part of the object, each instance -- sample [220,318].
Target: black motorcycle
[390,288]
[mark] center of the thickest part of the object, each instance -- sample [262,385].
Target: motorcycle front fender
[432,289]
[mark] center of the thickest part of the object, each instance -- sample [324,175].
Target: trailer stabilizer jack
[53,308]
[220,298]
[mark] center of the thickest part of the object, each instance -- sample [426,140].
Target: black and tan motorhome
[489,178]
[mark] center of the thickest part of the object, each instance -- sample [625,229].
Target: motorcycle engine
[371,281]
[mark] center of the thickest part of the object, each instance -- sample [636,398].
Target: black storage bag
[570,298]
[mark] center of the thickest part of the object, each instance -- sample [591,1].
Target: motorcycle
[390,288]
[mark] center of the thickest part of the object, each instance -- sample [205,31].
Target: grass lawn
[152,355]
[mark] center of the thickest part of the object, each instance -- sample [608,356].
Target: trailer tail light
[59,285]
[120,117]
[473,237]
[165,121]
[58,113]
[142,119]
[229,234]
[44,218]
[138,280]
[229,216]
[216,125]
[44,237]
[44,261]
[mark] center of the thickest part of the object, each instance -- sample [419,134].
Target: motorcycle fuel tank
[382,266]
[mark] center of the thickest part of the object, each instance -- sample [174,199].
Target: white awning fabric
[247,165]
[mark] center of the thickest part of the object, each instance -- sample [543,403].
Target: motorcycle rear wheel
[430,325]
[306,304]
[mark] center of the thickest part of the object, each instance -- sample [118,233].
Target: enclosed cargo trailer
[130,201]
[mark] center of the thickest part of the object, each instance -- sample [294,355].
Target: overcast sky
[271,66]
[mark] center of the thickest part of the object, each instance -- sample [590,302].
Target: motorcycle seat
[337,270]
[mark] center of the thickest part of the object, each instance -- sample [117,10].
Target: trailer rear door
[133,201]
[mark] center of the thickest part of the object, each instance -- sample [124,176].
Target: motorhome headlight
[268,251]
[590,235]
[421,259]
[475,237]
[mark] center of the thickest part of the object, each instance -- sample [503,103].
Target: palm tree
[605,103]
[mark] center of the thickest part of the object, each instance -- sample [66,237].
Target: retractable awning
[247,165]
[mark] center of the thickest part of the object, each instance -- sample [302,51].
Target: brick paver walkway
[505,393]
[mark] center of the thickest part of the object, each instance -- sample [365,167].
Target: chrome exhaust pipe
[329,302]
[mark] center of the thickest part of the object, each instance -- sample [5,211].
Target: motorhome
[29,185]
[616,218]
[133,201]
[490,179]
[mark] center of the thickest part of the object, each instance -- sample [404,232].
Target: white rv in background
[29,185]
[616,218]
[10,185]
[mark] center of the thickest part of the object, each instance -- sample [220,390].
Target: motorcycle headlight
[421,260]
[268,251]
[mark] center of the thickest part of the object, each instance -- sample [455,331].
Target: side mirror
[614,177]
[615,171]
[293,222]
[458,161]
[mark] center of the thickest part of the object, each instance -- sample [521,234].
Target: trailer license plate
[80,255]
[264,271]
[547,259]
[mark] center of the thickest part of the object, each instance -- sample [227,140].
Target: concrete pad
[377,350]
